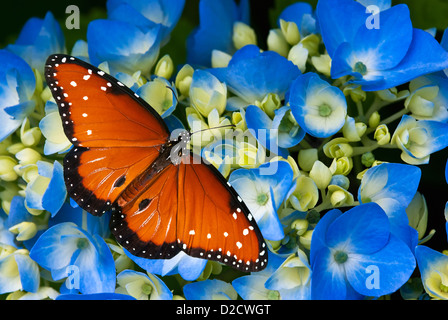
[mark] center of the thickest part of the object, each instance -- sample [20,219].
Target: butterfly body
[163,200]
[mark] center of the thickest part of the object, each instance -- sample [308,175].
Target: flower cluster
[299,129]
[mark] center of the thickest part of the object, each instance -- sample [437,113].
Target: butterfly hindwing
[213,221]
[115,134]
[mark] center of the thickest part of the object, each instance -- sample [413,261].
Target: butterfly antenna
[224,126]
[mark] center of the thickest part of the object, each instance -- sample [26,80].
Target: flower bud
[25,230]
[298,55]
[183,79]
[243,35]
[392,94]
[341,181]
[367,159]
[417,212]
[207,93]
[277,42]
[220,59]
[7,172]
[374,120]
[164,67]
[28,156]
[269,104]
[290,31]
[320,174]
[338,148]
[306,158]
[355,92]
[382,135]
[341,165]
[159,94]
[353,131]
[322,64]
[311,42]
[305,239]
[305,195]
[300,225]
[340,196]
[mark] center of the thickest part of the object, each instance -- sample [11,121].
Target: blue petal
[385,47]
[214,32]
[56,193]
[95,296]
[251,287]
[381,4]
[339,23]
[392,186]
[29,272]
[189,268]
[318,240]
[329,281]
[252,74]
[425,55]
[365,228]
[393,265]
[124,46]
[209,289]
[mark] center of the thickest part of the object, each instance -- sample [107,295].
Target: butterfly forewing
[115,134]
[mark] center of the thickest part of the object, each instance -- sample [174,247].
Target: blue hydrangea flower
[17,85]
[418,139]
[47,191]
[6,236]
[18,272]
[353,254]
[377,59]
[433,266]
[252,74]
[189,268]
[263,190]
[147,14]
[142,286]
[252,287]
[301,13]
[392,186]
[210,290]
[38,39]
[215,30]
[318,107]
[124,46]
[277,134]
[67,247]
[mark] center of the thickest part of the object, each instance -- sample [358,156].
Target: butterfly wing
[115,133]
[213,221]
[207,219]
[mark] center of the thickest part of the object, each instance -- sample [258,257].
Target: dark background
[424,14]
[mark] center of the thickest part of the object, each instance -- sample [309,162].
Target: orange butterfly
[122,160]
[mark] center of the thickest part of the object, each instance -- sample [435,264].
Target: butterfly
[162,201]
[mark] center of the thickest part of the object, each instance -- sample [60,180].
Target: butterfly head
[178,147]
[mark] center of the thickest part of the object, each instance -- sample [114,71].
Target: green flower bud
[353,131]
[341,165]
[355,92]
[367,159]
[183,79]
[321,175]
[322,64]
[269,104]
[300,225]
[243,35]
[28,156]
[305,195]
[220,59]
[298,55]
[340,196]
[277,42]
[24,230]
[290,31]
[417,212]
[392,94]
[306,158]
[164,67]
[305,239]
[7,172]
[374,120]
[382,135]
[338,148]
